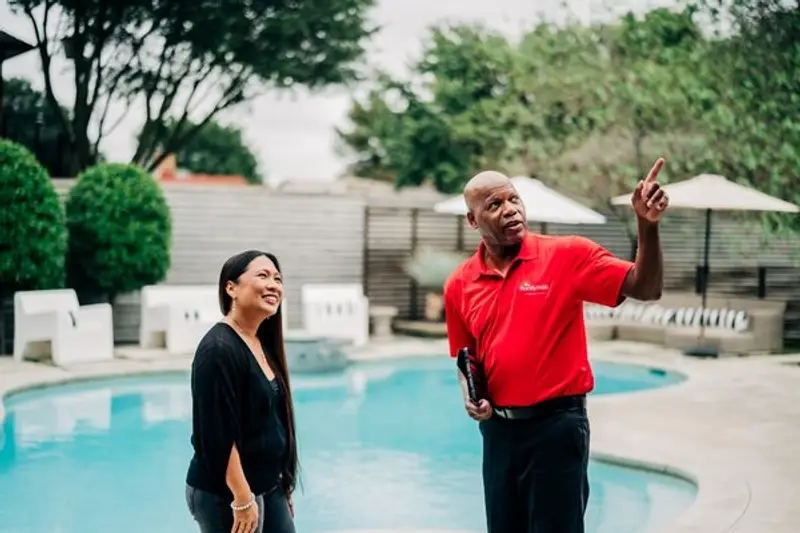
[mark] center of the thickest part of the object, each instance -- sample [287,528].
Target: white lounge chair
[177,316]
[53,323]
[336,311]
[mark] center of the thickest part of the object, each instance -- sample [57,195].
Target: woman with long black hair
[244,468]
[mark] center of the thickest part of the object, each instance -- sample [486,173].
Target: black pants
[213,513]
[535,472]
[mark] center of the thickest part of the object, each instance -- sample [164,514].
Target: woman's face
[260,288]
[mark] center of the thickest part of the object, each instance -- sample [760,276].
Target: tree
[34,238]
[442,129]
[603,94]
[755,131]
[367,138]
[119,232]
[186,61]
[559,98]
[525,109]
[650,92]
[217,149]
[30,121]
[588,109]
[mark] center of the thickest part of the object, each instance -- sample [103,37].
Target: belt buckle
[506,413]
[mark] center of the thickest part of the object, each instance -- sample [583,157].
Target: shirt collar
[477,266]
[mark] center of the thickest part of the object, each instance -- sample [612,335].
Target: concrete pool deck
[731,427]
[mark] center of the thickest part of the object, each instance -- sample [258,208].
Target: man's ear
[471,220]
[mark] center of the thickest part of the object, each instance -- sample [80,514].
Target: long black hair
[270,334]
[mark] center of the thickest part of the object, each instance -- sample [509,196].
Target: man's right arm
[459,336]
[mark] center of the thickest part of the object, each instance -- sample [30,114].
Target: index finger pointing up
[653,174]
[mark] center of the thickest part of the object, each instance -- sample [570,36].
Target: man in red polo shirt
[517,304]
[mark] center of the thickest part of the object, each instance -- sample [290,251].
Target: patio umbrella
[542,204]
[710,192]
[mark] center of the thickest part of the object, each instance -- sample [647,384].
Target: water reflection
[165,402]
[61,417]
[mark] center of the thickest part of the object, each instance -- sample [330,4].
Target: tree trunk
[6,324]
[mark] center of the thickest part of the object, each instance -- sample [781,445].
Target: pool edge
[646,466]
[10,392]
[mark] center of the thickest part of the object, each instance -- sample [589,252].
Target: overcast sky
[292,135]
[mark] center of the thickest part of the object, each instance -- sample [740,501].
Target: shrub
[33,239]
[119,231]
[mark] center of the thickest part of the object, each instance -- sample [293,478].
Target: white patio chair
[53,323]
[336,311]
[176,317]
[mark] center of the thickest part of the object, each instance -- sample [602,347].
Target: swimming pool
[381,446]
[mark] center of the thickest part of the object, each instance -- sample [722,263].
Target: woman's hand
[245,520]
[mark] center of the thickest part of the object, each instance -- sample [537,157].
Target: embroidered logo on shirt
[534,288]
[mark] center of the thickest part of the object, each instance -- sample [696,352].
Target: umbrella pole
[2,99]
[706,275]
[702,350]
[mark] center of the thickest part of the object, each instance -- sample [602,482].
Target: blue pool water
[382,446]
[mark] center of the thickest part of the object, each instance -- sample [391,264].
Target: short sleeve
[217,422]
[458,334]
[598,274]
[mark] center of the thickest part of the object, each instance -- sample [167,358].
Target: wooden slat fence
[736,253]
[346,238]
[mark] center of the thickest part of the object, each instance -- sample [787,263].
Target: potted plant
[430,268]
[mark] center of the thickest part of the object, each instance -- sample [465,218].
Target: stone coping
[730,427]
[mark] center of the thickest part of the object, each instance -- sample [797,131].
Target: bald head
[482,184]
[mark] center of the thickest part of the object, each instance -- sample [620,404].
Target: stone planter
[434,307]
[382,317]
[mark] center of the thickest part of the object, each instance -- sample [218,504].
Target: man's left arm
[645,281]
[604,279]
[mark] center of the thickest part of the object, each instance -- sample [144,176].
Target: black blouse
[233,402]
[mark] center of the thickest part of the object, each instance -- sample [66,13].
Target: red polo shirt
[527,327]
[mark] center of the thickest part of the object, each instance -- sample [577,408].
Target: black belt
[542,409]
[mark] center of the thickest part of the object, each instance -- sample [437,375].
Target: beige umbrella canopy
[710,192]
[716,193]
[542,204]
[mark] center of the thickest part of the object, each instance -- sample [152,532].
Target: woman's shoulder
[219,345]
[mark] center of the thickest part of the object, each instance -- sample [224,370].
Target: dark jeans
[535,472]
[214,514]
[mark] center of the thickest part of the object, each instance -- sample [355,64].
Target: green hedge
[33,239]
[119,231]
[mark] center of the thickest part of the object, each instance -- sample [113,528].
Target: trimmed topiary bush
[119,232]
[33,238]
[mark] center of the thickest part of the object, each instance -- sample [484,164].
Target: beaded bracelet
[245,506]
